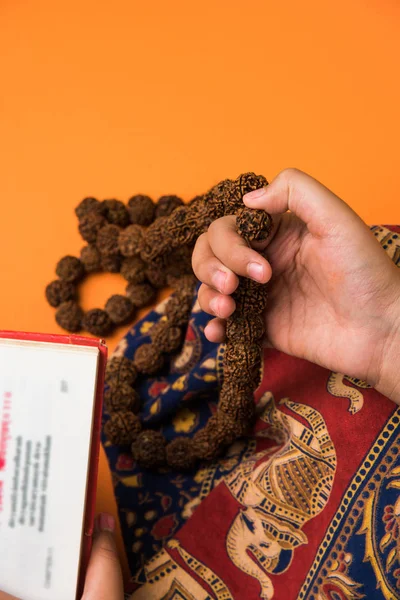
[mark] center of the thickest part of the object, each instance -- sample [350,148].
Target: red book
[51,392]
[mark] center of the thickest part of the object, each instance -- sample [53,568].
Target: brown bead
[133,270]
[220,431]
[205,447]
[121,370]
[141,294]
[115,212]
[111,264]
[90,225]
[122,428]
[219,198]
[242,362]
[141,210]
[157,240]
[248,182]
[148,449]
[122,397]
[225,428]
[238,402]
[177,283]
[253,224]
[222,191]
[180,455]
[214,209]
[120,309]
[187,223]
[188,283]
[194,200]
[107,240]
[166,205]
[148,360]
[91,259]
[156,276]
[131,240]
[166,337]
[250,297]
[97,322]
[178,309]
[245,329]
[181,226]
[70,269]
[69,316]
[179,261]
[203,217]
[58,292]
[86,206]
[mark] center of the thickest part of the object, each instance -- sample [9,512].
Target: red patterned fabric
[307,507]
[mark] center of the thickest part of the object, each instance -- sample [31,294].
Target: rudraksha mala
[151,258]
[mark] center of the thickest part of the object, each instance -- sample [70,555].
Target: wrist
[388,382]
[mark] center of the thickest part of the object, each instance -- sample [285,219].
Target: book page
[47,394]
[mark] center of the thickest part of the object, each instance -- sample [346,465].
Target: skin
[333,294]
[104,577]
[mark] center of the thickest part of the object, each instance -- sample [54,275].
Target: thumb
[319,208]
[104,576]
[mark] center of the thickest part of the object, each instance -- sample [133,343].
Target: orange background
[111,99]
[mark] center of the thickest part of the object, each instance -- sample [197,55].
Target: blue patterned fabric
[179,401]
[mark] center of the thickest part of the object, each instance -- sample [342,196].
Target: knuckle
[197,251]
[200,243]
[290,174]
[220,224]
[195,263]
[107,553]
[213,226]
[293,180]
[202,297]
[198,269]
[201,239]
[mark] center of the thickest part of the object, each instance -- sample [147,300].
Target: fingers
[214,303]
[312,202]
[210,270]
[104,577]
[215,331]
[233,251]
[221,254]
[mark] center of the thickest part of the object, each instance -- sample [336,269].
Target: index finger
[234,252]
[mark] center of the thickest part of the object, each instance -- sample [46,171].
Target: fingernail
[106,522]
[219,279]
[255,195]
[214,305]
[255,271]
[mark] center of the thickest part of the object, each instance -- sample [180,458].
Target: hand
[333,292]
[104,577]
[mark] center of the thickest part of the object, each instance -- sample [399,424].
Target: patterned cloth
[308,507]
